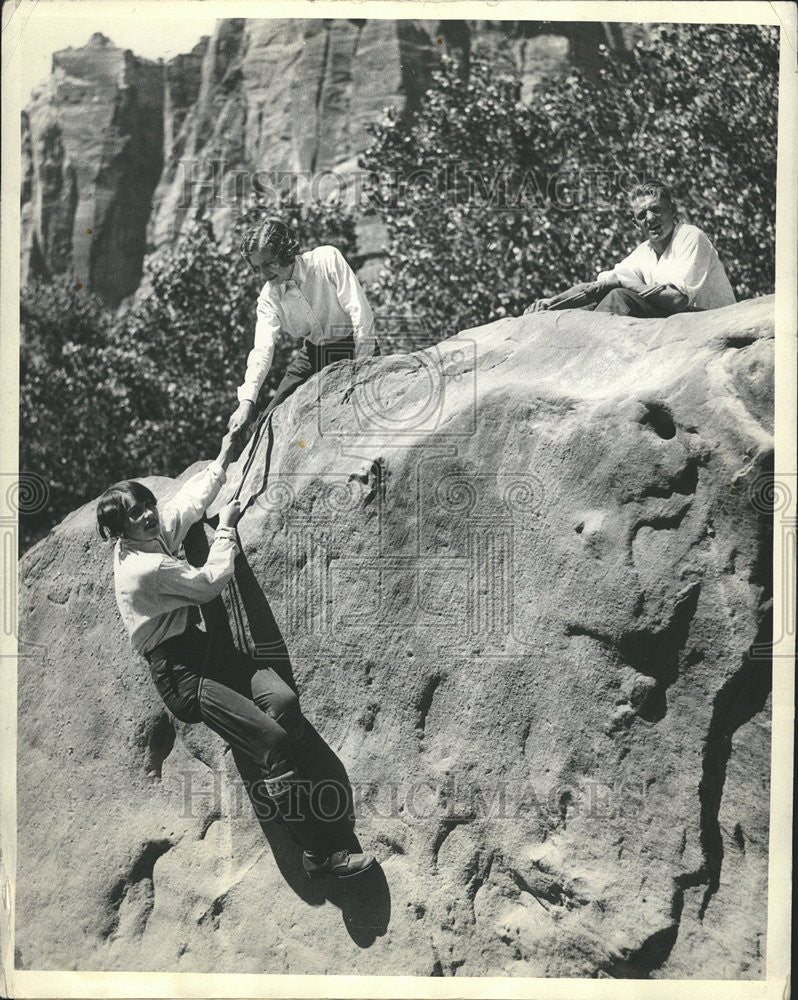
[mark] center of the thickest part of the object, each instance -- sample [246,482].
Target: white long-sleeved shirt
[322,302]
[690,263]
[155,585]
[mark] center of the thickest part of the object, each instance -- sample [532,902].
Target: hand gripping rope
[278,787]
[264,423]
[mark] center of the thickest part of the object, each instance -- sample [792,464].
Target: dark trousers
[210,681]
[309,360]
[204,679]
[625,302]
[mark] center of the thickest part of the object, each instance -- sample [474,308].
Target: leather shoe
[341,864]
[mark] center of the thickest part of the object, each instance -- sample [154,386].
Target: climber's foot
[341,864]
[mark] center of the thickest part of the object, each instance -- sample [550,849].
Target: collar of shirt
[299,275]
[300,271]
[670,243]
[157,545]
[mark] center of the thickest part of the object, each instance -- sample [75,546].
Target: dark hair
[114,504]
[271,234]
[653,189]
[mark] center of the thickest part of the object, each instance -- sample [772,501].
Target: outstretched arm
[188,505]
[259,362]
[572,298]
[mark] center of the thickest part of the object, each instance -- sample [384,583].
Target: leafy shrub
[82,399]
[490,203]
[147,392]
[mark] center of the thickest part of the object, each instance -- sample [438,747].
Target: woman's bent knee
[179,693]
[286,705]
[274,697]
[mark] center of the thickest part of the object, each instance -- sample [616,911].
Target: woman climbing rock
[200,675]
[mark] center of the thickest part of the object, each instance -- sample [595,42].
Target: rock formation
[121,153]
[94,142]
[523,581]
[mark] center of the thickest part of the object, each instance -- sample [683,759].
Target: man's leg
[625,302]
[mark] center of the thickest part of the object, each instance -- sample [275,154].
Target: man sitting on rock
[313,296]
[675,270]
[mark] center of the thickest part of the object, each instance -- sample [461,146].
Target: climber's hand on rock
[240,417]
[229,514]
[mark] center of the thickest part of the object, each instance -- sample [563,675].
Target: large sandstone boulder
[518,578]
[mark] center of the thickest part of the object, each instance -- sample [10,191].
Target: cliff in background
[522,582]
[120,153]
[93,149]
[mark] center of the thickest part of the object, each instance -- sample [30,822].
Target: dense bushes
[105,397]
[490,203]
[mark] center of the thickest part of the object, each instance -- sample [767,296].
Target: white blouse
[155,585]
[322,301]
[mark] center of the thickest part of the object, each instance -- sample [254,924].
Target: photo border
[123,984]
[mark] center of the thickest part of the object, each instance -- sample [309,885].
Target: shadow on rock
[364,900]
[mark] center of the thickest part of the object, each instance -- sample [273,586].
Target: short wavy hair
[270,234]
[114,505]
[655,189]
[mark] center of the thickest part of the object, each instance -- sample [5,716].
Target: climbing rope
[236,601]
[264,421]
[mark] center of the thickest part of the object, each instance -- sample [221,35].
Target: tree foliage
[105,397]
[490,203]
[82,398]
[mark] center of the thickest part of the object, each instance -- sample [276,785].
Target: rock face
[284,105]
[120,153]
[522,578]
[93,142]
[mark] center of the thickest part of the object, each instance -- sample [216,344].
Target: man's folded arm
[626,274]
[667,297]
[689,271]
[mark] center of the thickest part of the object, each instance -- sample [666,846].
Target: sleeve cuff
[247,394]
[216,468]
[224,532]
